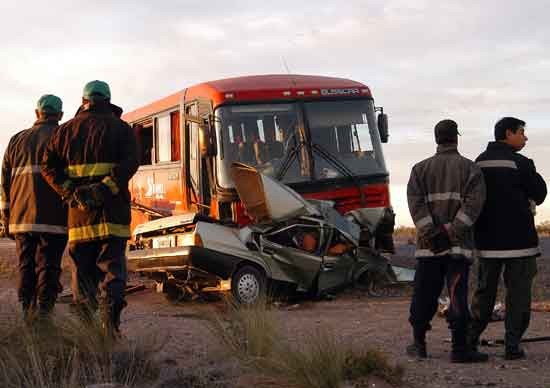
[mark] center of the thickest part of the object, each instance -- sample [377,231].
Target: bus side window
[168,138]
[175,135]
[144,140]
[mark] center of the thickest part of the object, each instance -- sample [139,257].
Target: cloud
[424,60]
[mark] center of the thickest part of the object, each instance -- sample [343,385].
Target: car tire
[248,285]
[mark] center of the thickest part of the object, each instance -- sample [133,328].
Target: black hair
[505,123]
[49,115]
[446,132]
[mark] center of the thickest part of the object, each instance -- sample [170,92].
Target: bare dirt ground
[353,316]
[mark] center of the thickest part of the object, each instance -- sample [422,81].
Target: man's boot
[84,312]
[27,309]
[462,352]
[418,347]
[110,318]
[514,353]
[45,307]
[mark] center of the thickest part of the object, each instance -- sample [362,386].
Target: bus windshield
[344,133]
[325,140]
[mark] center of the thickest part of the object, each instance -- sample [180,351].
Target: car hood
[267,200]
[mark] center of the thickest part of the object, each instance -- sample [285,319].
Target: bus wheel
[248,285]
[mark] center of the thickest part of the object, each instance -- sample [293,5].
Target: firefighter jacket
[95,146]
[506,226]
[32,205]
[446,190]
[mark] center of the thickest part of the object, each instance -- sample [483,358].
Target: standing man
[33,213]
[89,161]
[505,234]
[445,194]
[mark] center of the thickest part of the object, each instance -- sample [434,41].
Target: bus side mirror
[383,127]
[207,139]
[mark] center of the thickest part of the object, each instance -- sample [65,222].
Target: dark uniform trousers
[431,274]
[518,279]
[39,257]
[100,265]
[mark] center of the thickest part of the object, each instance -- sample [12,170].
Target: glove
[439,240]
[67,189]
[89,197]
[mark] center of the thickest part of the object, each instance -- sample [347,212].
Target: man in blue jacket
[505,234]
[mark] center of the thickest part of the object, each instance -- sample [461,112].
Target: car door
[336,268]
[284,252]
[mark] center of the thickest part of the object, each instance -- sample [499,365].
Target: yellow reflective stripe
[111,184]
[87,170]
[30,169]
[38,228]
[105,229]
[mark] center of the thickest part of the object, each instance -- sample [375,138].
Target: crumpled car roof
[269,201]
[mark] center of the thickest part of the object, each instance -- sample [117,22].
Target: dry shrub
[252,335]
[7,269]
[543,229]
[65,353]
[372,363]
[248,332]
[197,379]
[405,232]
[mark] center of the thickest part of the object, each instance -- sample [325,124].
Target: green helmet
[49,103]
[96,90]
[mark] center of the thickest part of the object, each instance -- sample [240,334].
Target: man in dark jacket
[445,194]
[33,212]
[505,234]
[89,161]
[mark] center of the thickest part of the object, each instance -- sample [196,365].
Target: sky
[424,60]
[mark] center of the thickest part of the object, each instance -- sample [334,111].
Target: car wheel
[248,285]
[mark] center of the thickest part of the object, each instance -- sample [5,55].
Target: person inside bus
[273,147]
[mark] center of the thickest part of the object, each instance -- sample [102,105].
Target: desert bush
[7,269]
[543,229]
[65,353]
[253,336]
[248,331]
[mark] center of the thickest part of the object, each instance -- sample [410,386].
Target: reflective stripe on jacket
[95,146]
[446,189]
[33,205]
[506,226]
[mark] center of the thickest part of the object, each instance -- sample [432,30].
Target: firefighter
[445,194]
[505,234]
[89,161]
[33,213]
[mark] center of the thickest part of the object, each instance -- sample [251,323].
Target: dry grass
[543,229]
[66,354]
[249,331]
[405,231]
[7,269]
[319,360]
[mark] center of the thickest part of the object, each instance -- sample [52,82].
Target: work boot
[514,353]
[28,310]
[468,356]
[418,347]
[462,352]
[45,307]
[417,350]
[110,318]
[84,312]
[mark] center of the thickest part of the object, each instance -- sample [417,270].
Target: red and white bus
[322,136]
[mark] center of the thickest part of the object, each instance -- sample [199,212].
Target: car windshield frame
[286,132]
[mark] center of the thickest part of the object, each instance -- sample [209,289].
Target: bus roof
[256,88]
